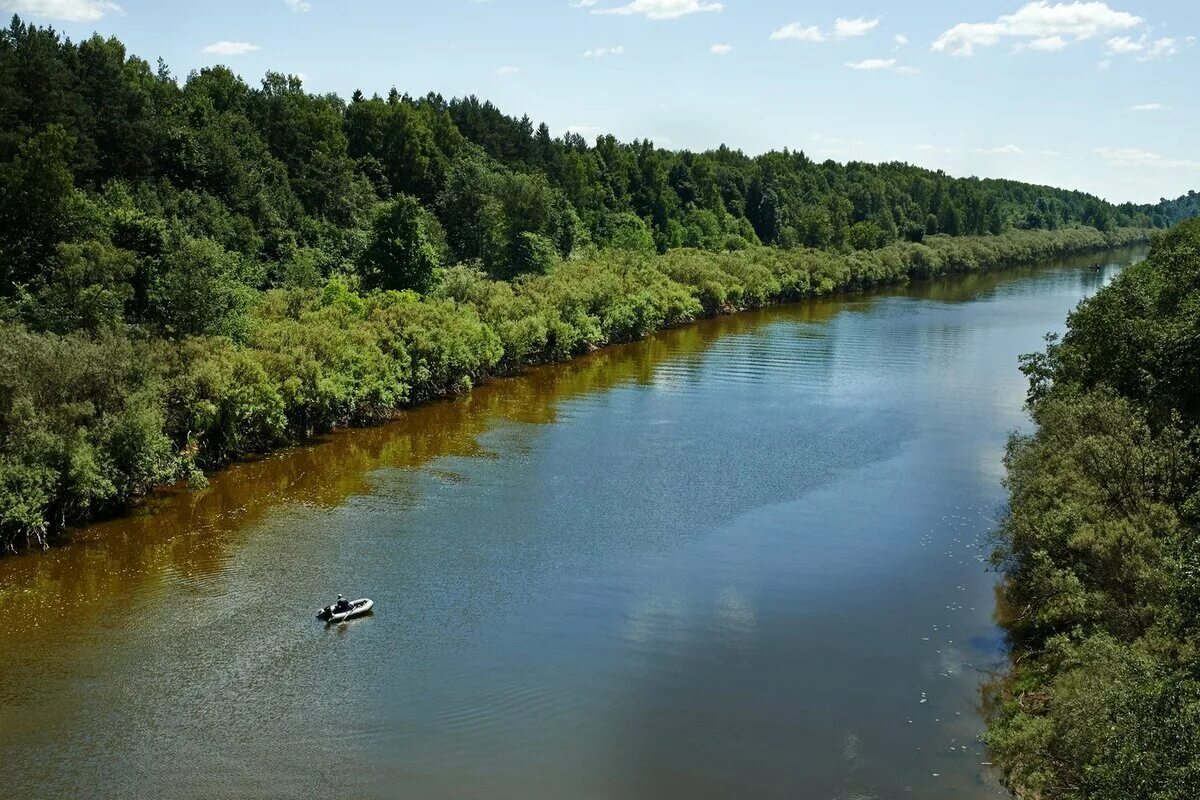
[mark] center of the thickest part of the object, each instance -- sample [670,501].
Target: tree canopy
[104,153]
[1101,549]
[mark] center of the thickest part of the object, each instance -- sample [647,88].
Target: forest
[193,270]
[1101,599]
[1170,212]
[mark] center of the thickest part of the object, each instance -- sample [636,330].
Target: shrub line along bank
[1100,550]
[95,420]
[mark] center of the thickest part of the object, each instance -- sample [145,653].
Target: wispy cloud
[872,64]
[1037,21]
[1133,157]
[721,49]
[601,52]
[1148,107]
[505,71]
[796,32]
[881,65]
[68,10]
[1046,44]
[842,29]
[655,9]
[298,6]
[230,48]
[1145,48]
[847,28]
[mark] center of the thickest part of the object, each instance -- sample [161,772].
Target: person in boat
[342,605]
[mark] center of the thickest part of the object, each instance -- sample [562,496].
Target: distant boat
[357,608]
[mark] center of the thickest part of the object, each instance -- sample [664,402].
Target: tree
[400,254]
[86,288]
[201,288]
[40,206]
[532,252]
[627,232]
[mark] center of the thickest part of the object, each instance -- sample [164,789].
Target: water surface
[744,558]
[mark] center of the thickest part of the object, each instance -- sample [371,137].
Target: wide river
[746,558]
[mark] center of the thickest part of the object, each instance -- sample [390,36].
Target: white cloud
[1148,107]
[298,6]
[796,32]
[842,29]
[1145,48]
[657,9]
[846,28]
[900,39]
[230,48]
[1123,45]
[1160,48]
[69,10]
[1133,157]
[872,64]
[507,70]
[601,52]
[721,49]
[1037,20]
[1046,44]
[881,64]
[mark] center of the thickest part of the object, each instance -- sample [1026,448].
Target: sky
[1098,96]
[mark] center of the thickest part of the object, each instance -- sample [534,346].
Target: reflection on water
[739,558]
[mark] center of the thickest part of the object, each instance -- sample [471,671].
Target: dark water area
[743,558]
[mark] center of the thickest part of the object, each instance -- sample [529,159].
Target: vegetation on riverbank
[1101,549]
[192,271]
[91,419]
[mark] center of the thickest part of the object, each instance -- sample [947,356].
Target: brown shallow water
[743,558]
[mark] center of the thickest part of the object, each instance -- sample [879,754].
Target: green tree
[400,254]
[201,288]
[40,206]
[86,287]
[532,252]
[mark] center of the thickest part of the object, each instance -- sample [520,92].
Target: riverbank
[1100,551]
[94,421]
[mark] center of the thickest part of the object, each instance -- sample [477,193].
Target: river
[745,558]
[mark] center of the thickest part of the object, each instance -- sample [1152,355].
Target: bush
[1100,551]
[96,419]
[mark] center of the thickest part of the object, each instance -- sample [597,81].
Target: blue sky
[1099,96]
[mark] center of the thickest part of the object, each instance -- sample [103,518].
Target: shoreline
[717,290]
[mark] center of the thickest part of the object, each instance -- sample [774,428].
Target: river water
[746,558]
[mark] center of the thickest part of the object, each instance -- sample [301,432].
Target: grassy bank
[92,420]
[1101,548]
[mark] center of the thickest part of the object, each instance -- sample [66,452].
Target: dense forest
[194,270]
[1171,212]
[281,186]
[1101,550]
